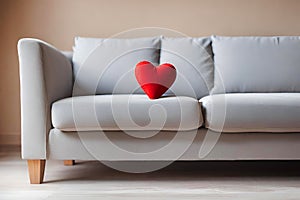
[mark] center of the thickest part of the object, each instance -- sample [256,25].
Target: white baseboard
[10,138]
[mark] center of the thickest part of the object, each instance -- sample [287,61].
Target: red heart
[155,81]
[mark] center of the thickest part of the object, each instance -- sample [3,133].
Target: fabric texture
[230,146]
[126,112]
[106,66]
[45,76]
[192,58]
[256,64]
[253,112]
[264,65]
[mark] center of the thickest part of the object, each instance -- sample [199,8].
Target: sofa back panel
[192,58]
[256,64]
[106,66]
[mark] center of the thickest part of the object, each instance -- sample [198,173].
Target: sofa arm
[45,76]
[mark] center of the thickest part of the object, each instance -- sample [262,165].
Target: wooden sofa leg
[69,162]
[36,169]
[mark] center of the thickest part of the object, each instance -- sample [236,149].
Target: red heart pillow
[155,81]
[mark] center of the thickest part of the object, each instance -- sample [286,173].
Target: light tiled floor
[181,180]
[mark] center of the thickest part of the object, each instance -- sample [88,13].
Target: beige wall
[58,21]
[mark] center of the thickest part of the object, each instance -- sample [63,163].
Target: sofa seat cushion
[252,112]
[126,112]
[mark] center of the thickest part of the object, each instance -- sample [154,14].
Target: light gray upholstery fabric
[46,79]
[192,58]
[126,112]
[255,112]
[106,66]
[257,64]
[69,55]
[45,76]
[230,146]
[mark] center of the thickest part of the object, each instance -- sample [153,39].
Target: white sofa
[234,98]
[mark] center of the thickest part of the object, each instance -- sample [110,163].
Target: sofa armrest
[45,76]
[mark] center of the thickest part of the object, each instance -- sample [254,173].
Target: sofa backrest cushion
[192,58]
[106,66]
[256,64]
